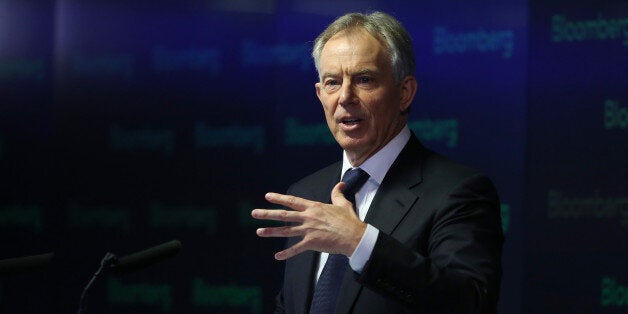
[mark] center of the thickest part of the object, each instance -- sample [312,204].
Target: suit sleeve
[454,266]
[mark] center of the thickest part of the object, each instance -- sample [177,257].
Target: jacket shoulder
[318,185]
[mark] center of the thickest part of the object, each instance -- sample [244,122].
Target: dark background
[125,124]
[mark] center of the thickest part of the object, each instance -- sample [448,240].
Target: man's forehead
[357,54]
[357,71]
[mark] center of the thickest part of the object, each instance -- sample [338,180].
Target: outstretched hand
[333,228]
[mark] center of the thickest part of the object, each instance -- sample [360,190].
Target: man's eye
[332,85]
[364,80]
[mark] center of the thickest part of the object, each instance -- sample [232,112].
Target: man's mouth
[350,121]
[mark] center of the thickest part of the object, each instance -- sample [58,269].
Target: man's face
[363,105]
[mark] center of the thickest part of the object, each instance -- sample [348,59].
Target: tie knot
[354,179]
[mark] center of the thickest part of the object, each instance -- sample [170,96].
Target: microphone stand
[105,262]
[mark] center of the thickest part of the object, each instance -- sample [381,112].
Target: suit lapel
[308,260]
[395,195]
[304,279]
[391,203]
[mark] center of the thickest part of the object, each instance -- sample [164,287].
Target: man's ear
[409,87]
[317,86]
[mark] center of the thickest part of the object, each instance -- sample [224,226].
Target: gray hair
[384,28]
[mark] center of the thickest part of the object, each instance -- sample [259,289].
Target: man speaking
[393,227]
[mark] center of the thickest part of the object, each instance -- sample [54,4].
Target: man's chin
[350,143]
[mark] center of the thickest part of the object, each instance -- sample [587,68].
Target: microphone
[142,259]
[130,263]
[25,264]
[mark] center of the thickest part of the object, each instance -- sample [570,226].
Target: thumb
[337,196]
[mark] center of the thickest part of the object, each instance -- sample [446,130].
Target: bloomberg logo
[479,41]
[600,28]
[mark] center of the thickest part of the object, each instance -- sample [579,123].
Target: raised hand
[333,228]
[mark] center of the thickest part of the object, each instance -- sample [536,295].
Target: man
[424,234]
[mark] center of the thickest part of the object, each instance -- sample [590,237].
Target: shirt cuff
[362,253]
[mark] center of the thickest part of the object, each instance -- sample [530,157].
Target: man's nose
[347,94]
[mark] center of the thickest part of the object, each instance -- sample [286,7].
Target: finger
[276,214]
[290,252]
[289,201]
[337,196]
[279,232]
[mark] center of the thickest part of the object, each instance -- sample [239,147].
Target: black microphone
[129,263]
[142,259]
[25,264]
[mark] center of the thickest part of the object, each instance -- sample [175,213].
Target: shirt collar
[377,165]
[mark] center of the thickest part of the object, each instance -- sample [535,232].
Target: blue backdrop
[127,124]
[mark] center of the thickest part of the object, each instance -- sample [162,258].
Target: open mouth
[351,121]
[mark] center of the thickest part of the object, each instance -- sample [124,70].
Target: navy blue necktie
[328,285]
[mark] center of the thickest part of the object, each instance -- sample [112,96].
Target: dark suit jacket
[439,247]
